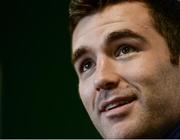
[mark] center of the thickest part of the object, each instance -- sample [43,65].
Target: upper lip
[105,103]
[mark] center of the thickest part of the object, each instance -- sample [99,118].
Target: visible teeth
[110,106]
[113,105]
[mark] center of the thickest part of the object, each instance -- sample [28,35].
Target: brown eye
[124,50]
[86,65]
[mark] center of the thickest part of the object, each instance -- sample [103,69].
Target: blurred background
[39,89]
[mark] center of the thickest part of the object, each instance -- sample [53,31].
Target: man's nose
[106,76]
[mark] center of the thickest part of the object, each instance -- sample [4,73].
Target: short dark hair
[165,15]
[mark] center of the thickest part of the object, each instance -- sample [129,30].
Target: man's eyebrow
[120,34]
[78,54]
[126,33]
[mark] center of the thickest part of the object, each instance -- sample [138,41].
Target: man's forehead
[110,14]
[110,17]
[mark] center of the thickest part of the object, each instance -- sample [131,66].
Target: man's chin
[118,133]
[133,132]
[126,130]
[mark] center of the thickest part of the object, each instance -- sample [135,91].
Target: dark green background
[40,96]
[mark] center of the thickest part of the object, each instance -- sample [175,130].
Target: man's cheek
[86,96]
[142,72]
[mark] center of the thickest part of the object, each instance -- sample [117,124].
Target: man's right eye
[86,65]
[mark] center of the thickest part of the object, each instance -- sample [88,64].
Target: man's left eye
[124,50]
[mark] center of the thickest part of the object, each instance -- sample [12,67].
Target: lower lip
[119,111]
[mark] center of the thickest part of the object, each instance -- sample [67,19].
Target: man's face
[126,81]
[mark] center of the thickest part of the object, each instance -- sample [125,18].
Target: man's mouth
[115,102]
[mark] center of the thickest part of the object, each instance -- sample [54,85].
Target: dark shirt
[175,134]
